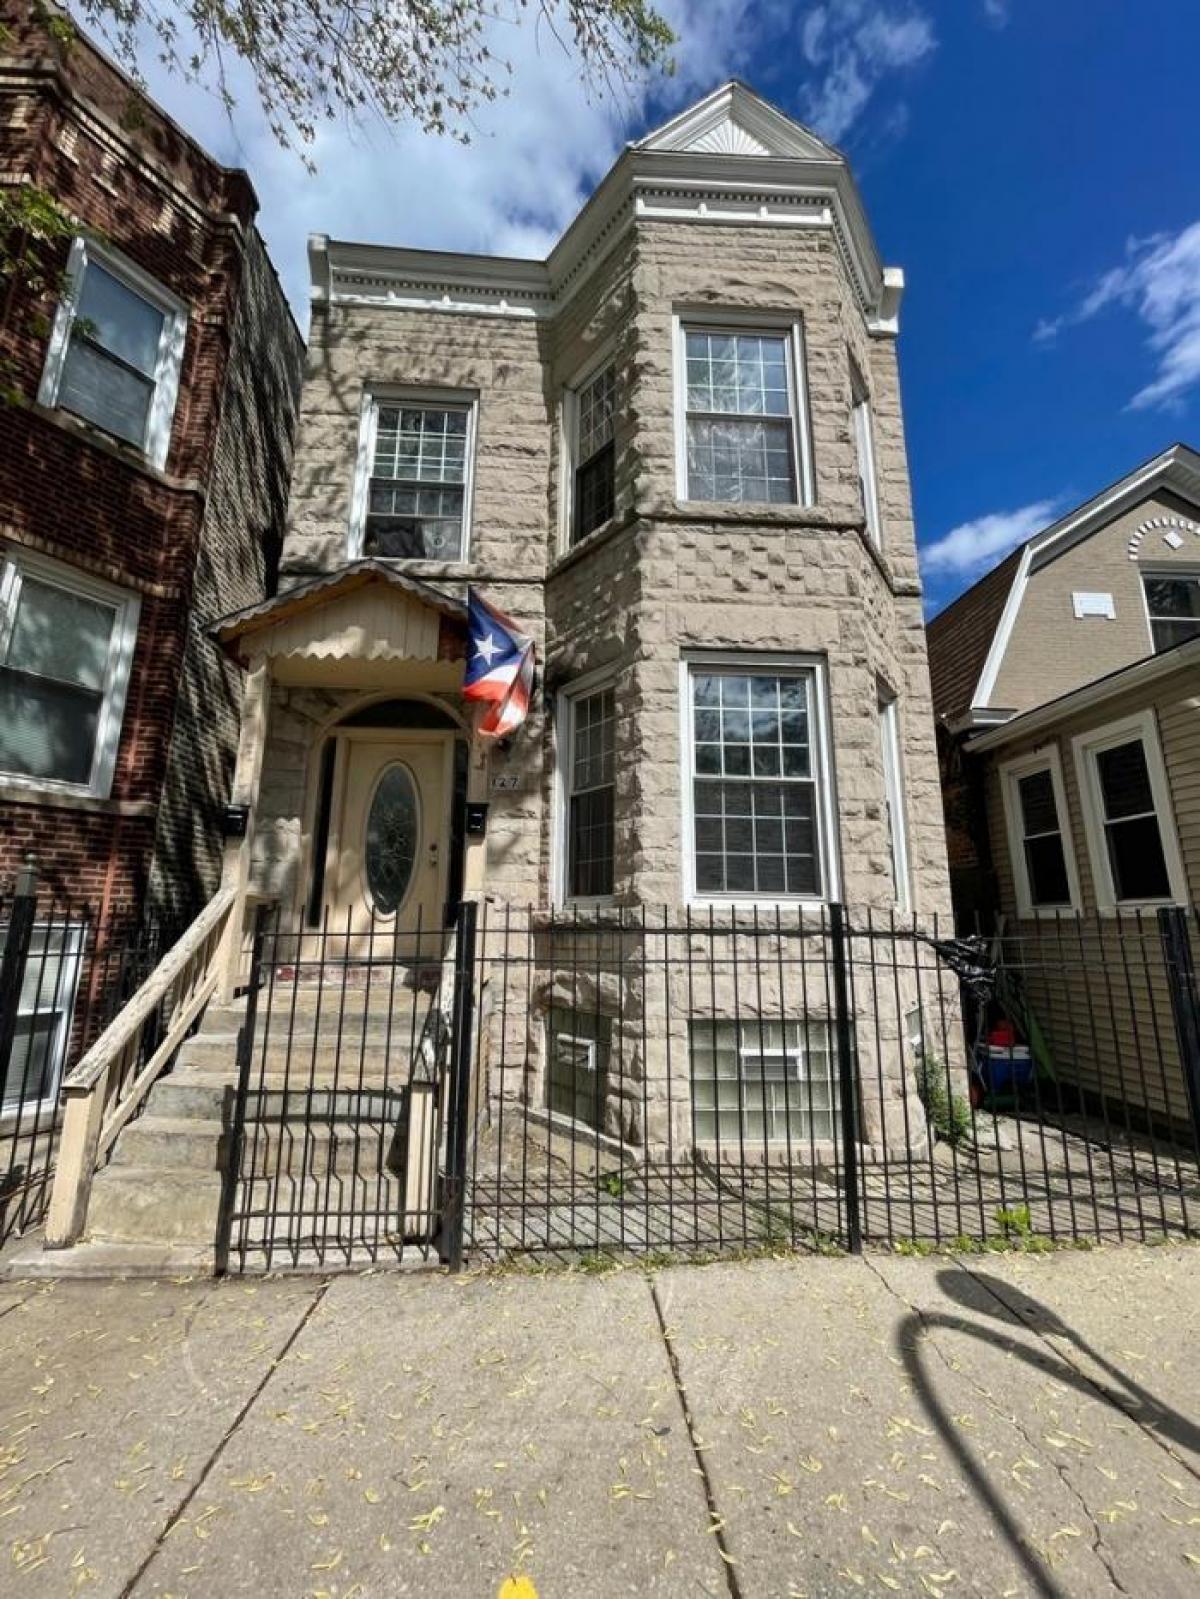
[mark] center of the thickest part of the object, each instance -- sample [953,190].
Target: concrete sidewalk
[1005,1425]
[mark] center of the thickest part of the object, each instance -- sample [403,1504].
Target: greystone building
[673,452]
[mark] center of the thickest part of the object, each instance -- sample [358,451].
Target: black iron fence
[64,974]
[635,1080]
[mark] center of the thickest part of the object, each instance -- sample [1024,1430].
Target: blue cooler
[1004,1068]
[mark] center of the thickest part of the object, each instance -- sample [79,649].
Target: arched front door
[389,843]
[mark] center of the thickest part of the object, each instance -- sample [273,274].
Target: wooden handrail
[111,1081]
[132,1016]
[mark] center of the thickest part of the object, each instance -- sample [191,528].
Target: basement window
[756,1083]
[579,1046]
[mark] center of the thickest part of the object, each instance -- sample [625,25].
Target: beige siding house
[1078,742]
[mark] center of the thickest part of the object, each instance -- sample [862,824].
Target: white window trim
[1086,746]
[568,441]
[1151,571]
[373,396]
[1010,773]
[892,756]
[863,422]
[157,442]
[63,991]
[564,740]
[791,328]
[15,564]
[826,809]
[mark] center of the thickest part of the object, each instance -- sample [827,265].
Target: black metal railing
[542,1081]
[338,1130]
[65,972]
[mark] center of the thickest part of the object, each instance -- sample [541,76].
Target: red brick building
[142,484]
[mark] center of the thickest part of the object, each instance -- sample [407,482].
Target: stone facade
[664,576]
[192,538]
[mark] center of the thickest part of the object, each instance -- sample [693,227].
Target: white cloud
[970,548]
[533,157]
[852,46]
[1159,281]
[998,12]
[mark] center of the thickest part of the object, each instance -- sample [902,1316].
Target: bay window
[757,784]
[589,776]
[743,438]
[592,454]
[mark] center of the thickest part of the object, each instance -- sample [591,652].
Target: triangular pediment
[733,120]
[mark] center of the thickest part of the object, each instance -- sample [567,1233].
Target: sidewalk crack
[716,1520]
[1099,1547]
[206,1470]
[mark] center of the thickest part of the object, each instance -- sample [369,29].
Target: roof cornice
[710,187]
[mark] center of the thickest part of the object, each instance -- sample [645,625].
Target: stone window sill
[45,798]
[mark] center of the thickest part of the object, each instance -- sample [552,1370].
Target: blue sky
[1031,164]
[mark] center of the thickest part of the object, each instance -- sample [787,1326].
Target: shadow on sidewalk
[988,1296]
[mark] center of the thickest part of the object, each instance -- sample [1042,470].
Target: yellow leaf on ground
[517,1588]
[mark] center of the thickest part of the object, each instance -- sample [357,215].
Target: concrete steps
[331,1059]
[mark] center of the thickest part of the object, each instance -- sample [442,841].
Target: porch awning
[365,614]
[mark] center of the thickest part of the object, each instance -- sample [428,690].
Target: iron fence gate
[536,1081]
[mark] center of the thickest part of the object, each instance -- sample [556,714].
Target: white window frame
[1086,747]
[792,330]
[767,665]
[1188,573]
[564,743]
[63,992]
[892,756]
[373,396]
[1046,759]
[568,442]
[15,565]
[862,419]
[84,251]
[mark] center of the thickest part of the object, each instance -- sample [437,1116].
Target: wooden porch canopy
[357,624]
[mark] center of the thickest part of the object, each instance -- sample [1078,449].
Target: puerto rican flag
[499,667]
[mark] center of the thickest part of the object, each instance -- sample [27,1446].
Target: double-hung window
[1127,812]
[590,781]
[864,449]
[1173,606]
[756,785]
[593,454]
[743,433]
[414,488]
[116,349]
[1043,862]
[66,642]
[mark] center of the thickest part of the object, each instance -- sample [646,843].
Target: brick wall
[72,493]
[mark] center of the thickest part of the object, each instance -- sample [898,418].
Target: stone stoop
[322,1068]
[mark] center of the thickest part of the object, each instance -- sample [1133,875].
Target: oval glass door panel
[390,847]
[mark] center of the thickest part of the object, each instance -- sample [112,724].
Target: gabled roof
[321,590]
[1184,656]
[734,120]
[968,638]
